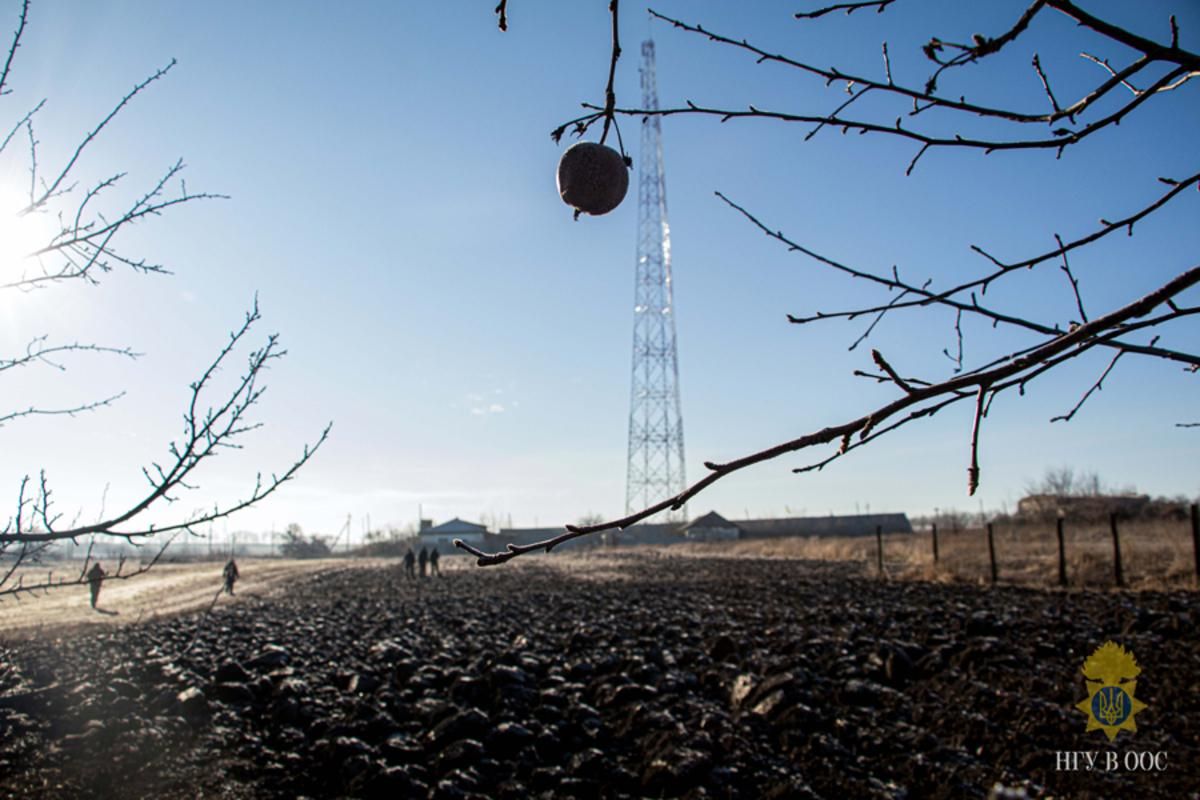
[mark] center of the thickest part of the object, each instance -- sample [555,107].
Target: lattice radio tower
[655,466]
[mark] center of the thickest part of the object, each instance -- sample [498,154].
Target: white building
[442,536]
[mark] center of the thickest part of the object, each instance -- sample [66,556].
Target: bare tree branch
[85,246]
[1080,340]
[1159,68]
[12,49]
[1095,387]
[207,431]
[927,297]
[29,553]
[879,5]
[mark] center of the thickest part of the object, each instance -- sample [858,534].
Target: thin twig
[926,297]
[1066,267]
[610,96]
[882,363]
[1037,65]
[976,425]
[1095,387]
[12,48]
[849,8]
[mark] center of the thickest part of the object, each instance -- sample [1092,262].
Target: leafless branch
[83,247]
[891,373]
[28,553]
[926,297]
[1007,375]
[849,8]
[1159,67]
[54,185]
[12,48]
[980,411]
[1037,65]
[86,245]
[924,98]
[957,358]
[1062,138]
[502,13]
[610,96]
[69,411]
[1095,387]
[208,429]
[1066,267]
[606,112]
[1172,53]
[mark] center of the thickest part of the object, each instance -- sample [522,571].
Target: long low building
[849,525]
[713,527]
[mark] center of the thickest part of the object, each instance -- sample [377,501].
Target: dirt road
[166,590]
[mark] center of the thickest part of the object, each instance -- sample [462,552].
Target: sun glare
[21,235]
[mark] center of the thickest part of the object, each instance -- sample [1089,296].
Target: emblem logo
[1110,705]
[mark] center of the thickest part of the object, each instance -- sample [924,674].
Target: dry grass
[1154,554]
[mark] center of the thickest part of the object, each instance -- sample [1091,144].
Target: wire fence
[1117,552]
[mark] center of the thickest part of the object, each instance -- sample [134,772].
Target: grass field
[1154,555]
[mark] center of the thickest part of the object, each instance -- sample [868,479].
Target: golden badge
[1111,706]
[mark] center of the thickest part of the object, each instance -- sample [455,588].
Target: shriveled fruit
[592,178]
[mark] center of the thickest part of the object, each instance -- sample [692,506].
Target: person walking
[409,558]
[433,563]
[422,560]
[231,575]
[95,577]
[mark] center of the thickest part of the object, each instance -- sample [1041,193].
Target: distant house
[850,525]
[442,536]
[711,527]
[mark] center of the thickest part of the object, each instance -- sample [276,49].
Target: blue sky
[391,178]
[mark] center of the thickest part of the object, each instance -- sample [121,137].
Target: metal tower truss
[655,468]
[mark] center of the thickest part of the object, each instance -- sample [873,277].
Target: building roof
[710,520]
[454,526]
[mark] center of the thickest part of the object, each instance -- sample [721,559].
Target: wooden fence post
[1062,555]
[1196,537]
[992,552]
[1118,572]
[879,547]
[935,550]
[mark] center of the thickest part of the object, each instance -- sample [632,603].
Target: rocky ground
[623,675]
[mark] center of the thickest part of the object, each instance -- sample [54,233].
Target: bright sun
[20,235]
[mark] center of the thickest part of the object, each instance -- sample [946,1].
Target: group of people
[424,558]
[96,575]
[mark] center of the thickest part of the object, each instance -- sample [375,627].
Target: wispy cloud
[491,408]
[485,404]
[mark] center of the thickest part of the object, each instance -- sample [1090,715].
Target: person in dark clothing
[422,559]
[231,575]
[409,558]
[95,577]
[433,563]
